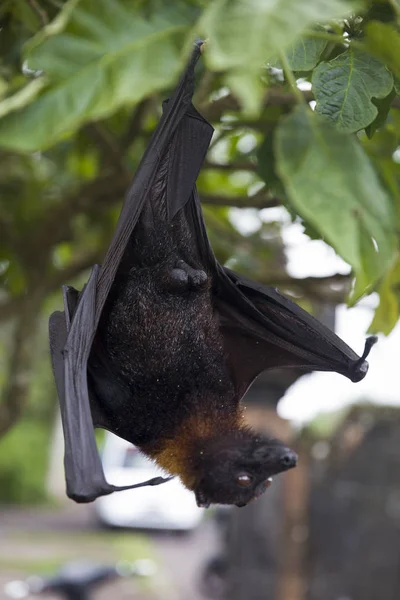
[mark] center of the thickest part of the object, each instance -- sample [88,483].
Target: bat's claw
[203,46]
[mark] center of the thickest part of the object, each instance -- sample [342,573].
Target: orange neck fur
[176,454]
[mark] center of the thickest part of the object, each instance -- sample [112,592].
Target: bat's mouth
[268,483]
[259,492]
[203,502]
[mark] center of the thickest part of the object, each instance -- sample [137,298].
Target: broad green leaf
[387,313]
[57,25]
[344,88]
[23,97]
[332,185]
[383,41]
[3,87]
[304,55]
[244,34]
[248,89]
[101,57]
[382,150]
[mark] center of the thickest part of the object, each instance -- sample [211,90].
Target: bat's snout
[289,460]
[275,457]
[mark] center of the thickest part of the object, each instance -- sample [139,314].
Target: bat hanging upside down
[163,342]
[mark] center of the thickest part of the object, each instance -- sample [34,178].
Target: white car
[167,506]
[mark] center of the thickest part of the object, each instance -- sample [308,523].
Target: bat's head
[238,467]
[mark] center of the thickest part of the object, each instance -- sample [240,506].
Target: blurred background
[70,141]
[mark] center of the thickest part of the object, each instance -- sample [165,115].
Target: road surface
[36,539]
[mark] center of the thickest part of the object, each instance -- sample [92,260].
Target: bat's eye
[244,480]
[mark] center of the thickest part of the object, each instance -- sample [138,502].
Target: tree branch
[259,201]
[236,166]
[333,289]
[108,146]
[135,124]
[40,12]
[274,97]
[74,269]
[94,196]
[110,190]
[11,307]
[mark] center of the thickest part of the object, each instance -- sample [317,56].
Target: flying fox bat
[163,342]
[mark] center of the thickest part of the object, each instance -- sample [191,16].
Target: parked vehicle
[169,506]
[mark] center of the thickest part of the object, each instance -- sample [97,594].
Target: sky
[325,392]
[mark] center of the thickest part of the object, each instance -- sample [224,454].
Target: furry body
[162,343]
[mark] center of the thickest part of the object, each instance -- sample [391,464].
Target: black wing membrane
[261,328]
[70,348]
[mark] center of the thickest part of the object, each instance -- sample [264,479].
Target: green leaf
[332,185]
[23,97]
[382,150]
[387,313]
[344,88]
[3,87]
[383,41]
[249,90]
[304,55]
[98,57]
[383,105]
[245,33]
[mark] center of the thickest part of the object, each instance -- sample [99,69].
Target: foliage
[81,83]
[24,450]
[23,463]
[359,211]
[345,86]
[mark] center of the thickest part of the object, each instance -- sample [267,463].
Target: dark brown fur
[164,346]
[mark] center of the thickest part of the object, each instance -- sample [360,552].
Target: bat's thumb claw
[360,366]
[369,342]
[203,46]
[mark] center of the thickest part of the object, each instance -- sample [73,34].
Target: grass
[44,552]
